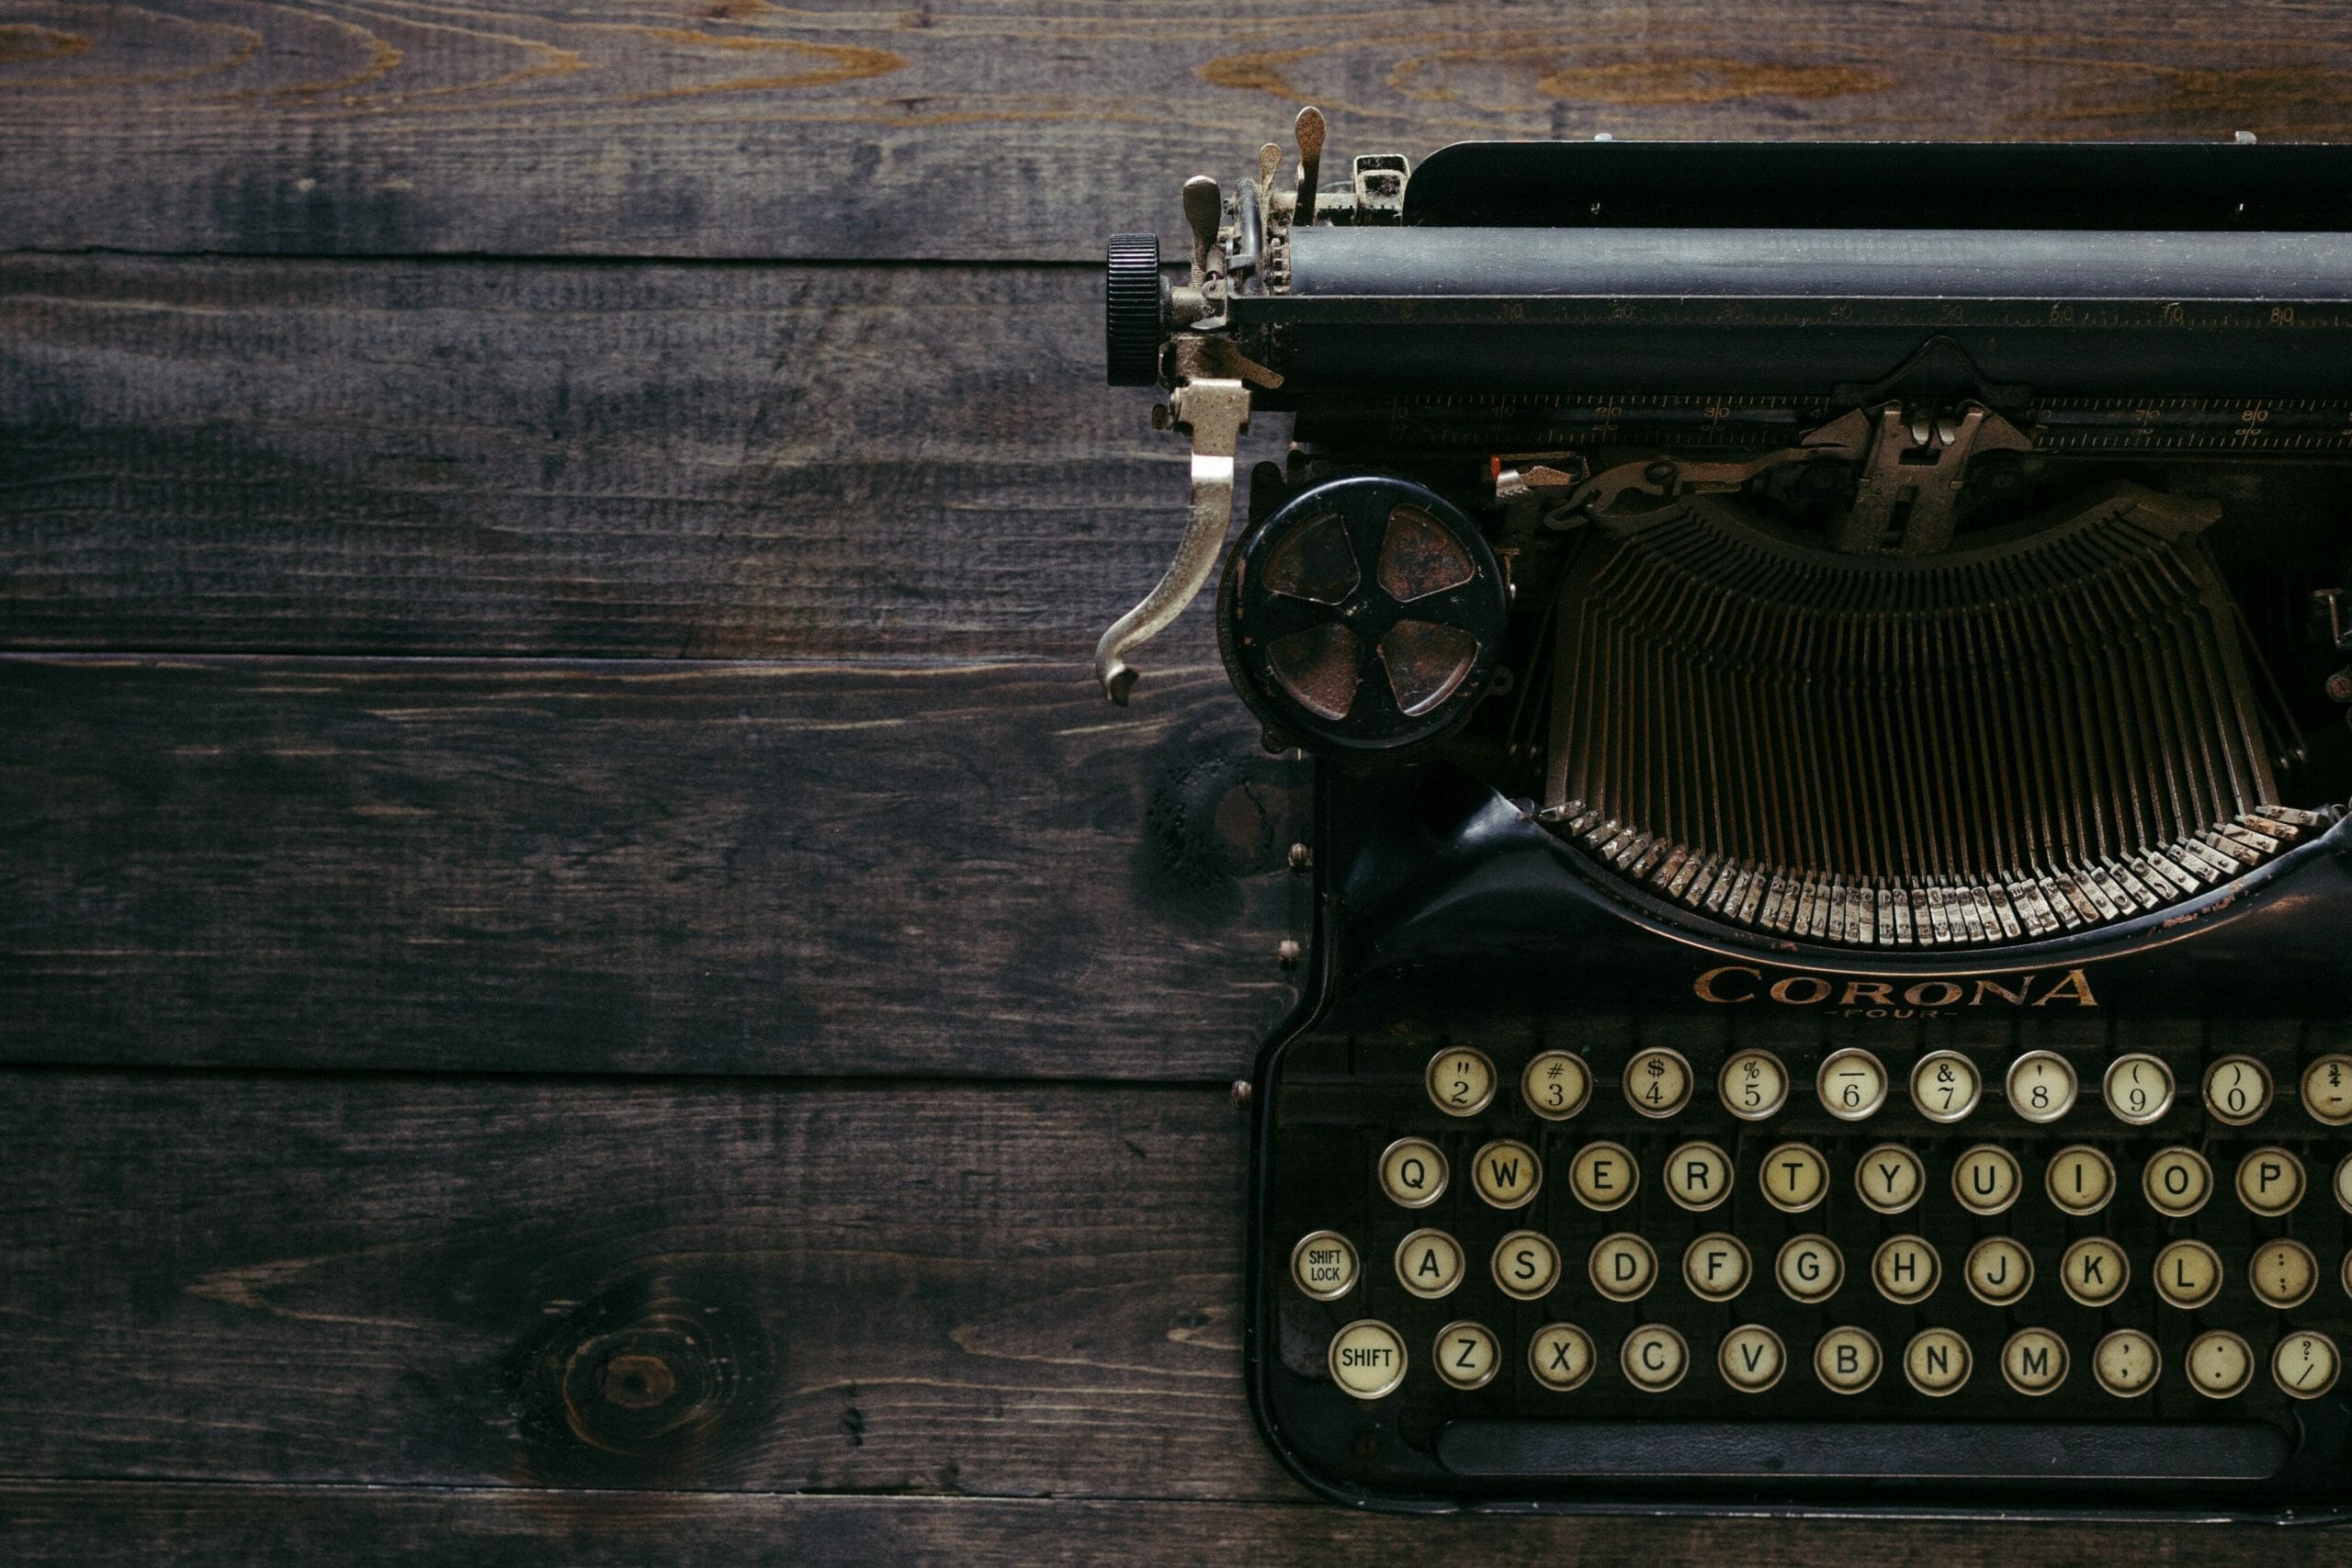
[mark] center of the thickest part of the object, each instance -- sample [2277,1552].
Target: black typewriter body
[1827,670]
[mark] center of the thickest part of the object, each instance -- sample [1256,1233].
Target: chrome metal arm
[1217,410]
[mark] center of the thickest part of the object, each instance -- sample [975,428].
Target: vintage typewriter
[1827,671]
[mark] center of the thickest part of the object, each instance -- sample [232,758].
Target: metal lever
[1204,203]
[1217,410]
[1309,129]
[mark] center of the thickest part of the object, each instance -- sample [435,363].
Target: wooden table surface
[583,978]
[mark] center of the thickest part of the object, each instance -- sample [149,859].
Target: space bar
[1928,1450]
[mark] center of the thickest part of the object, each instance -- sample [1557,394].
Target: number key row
[1852,1085]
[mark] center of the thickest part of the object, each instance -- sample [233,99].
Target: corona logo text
[1730,985]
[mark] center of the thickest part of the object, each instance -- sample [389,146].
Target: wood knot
[637,1382]
[649,1380]
[637,1391]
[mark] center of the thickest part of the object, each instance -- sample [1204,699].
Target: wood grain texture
[995,129]
[589,459]
[817,1311]
[284,1527]
[317,1278]
[968,870]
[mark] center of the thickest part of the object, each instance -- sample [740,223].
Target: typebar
[1974,1450]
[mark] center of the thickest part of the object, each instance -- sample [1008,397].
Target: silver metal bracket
[1217,410]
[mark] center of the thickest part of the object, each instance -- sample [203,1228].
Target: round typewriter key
[2095,1270]
[1604,1175]
[1753,1085]
[1506,1173]
[1413,1172]
[1793,1177]
[2040,1086]
[2080,1180]
[2238,1090]
[2188,1274]
[2126,1363]
[2270,1181]
[1851,1083]
[1809,1268]
[1846,1361]
[2220,1363]
[1323,1264]
[1461,1081]
[1658,1081]
[1906,1270]
[2304,1366]
[1367,1358]
[1622,1267]
[1655,1358]
[1998,1270]
[1560,1356]
[1945,1086]
[1751,1358]
[1429,1264]
[1985,1179]
[2176,1181]
[1466,1354]
[2344,1183]
[1555,1085]
[2282,1273]
[1890,1179]
[2034,1360]
[1525,1266]
[1698,1177]
[2327,1090]
[1716,1266]
[1937,1361]
[2138,1088]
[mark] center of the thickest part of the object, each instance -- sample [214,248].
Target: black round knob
[1132,309]
[1364,617]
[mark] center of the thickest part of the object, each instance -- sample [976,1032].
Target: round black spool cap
[1364,619]
[1132,298]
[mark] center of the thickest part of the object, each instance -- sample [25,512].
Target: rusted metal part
[1200,357]
[1909,500]
[1666,477]
[1380,180]
[1913,466]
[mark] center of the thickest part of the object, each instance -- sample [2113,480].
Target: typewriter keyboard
[2121,1223]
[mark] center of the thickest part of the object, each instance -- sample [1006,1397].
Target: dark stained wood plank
[724,1285]
[1002,129]
[968,870]
[613,460]
[269,1526]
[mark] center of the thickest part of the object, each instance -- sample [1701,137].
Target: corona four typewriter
[1832,981]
